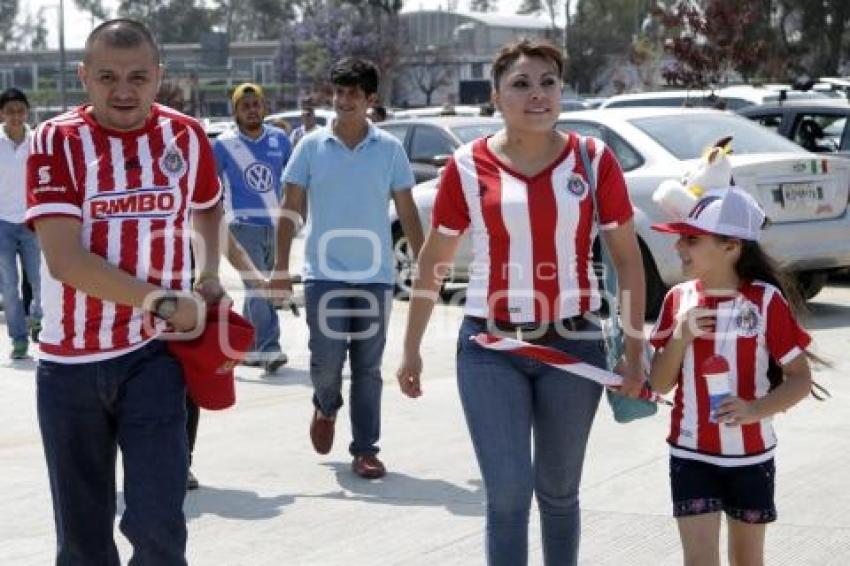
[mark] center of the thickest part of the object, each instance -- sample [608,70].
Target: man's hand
[409,374]
[279,289]
[190,313]
[211,291]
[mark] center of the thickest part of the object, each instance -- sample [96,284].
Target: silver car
[805,196]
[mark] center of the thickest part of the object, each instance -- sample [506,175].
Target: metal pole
[62,95]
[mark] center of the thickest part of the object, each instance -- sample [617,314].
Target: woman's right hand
[409,374]
[695,323]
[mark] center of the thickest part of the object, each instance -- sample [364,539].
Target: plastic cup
[716,372]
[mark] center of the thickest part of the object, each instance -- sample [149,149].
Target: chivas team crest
[172,163]
[747,320]
[576,185]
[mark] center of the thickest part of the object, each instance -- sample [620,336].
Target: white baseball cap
[721,212]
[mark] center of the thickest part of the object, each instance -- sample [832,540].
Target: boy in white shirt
[15,238]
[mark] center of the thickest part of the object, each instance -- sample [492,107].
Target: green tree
[483,5]
[33,31]
[174,21]
[822,35]
[8,15]
[599,32]
[530,7]
[247,20]
[94,8]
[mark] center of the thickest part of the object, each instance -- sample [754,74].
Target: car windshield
[468,133]
[688,136]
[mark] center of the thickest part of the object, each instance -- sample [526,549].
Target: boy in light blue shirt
[346,173]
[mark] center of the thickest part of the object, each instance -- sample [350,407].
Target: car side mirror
[440,160]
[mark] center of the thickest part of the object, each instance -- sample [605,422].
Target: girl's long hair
[754,264]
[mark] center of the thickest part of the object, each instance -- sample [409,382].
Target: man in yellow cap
[250,160]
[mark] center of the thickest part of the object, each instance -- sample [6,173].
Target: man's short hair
[13,94]
[122,33]
[353,71]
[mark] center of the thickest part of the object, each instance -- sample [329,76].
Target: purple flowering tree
[327,33]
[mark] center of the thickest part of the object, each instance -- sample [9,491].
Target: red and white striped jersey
[132,192]
[531,236]
[753,326]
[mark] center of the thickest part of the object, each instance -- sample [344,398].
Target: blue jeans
[345,318]
[259,243]
[17,240]
[86,412]
[505,398]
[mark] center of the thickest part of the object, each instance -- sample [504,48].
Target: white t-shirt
[13,166]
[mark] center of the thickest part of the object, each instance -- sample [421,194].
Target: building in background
[204,72]
[449,55]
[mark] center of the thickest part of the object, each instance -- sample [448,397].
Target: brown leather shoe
[322,432]
[367,466]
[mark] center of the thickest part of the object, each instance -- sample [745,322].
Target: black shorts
[744,493]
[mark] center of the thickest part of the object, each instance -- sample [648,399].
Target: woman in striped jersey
[729,343]
[524,197]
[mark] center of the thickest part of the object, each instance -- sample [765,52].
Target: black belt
[533,332]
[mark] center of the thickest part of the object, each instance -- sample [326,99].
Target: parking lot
[267,498]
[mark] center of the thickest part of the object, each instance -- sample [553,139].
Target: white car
[293,117]
[804,195]
[733,97]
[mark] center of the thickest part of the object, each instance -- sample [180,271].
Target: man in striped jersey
[112,187]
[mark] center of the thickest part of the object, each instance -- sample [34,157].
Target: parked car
[293,117]
[430,141]
[214,127]
[818,126]
[434,111]
[731,98]
[805,199]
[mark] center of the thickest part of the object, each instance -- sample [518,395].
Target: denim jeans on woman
[17,240]
[347,318]
[259,243]
[86,412]
[505,397]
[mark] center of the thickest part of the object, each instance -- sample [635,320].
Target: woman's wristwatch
[165,306]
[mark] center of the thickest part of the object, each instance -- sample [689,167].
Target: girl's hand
[408,375]
[695,323]
[734,411]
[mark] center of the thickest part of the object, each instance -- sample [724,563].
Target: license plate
[800,195]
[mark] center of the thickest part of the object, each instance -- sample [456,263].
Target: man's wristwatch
[165,306]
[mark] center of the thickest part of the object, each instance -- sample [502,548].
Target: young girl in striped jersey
[724,340]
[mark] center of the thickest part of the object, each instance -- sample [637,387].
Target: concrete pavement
[268,499]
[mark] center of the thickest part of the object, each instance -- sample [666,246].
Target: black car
[429,142]
[820,127]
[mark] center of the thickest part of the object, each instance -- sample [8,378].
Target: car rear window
[468,133]
[688,136]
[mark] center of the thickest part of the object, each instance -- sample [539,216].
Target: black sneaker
[274,364]
[192,482]
[35,330]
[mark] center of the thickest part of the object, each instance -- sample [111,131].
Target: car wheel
[811,283]
[404,264]
[655,287]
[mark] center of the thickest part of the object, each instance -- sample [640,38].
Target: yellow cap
[246,89]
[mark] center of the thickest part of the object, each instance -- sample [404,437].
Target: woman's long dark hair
[754,264]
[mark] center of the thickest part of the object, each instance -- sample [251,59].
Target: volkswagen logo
[259,177]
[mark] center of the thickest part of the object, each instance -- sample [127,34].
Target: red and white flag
[562,361]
